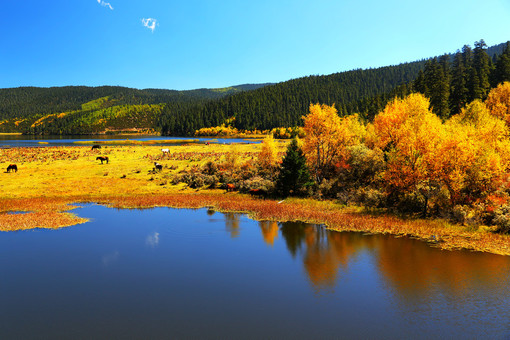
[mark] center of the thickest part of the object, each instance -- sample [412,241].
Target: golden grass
[137,142]
[49,179]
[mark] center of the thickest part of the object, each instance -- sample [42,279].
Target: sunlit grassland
[50,179]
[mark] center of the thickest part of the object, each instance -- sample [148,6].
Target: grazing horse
[258,192]
[230,187]
[96,147]
[165,150]
[102,159]
[12,167]
[158,166]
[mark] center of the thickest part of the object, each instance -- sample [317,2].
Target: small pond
[181,273]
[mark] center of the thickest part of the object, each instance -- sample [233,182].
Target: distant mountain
[22,102]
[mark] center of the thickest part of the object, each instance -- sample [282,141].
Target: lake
[182,273]
[68,140]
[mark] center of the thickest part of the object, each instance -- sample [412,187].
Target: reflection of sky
[309,282]
[110,258]
[152,240]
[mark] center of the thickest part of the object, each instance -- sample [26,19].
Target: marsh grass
[50,179]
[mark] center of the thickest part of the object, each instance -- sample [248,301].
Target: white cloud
[150,23]
[105,4]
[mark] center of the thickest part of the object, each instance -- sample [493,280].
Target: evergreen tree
[480,72]
[467,60]
[458,90]
[294,177]
[502,69]
[436,83]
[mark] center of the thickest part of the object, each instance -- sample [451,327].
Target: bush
[255,183]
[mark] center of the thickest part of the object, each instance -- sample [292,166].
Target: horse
[102,159]
[12,167]
[96,147]
[165,150]
[258,192]
[230,187]
[158,166]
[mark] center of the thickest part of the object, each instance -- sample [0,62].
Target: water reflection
[152,240]
[412,267]
[232,224]
[110,258]
[269,231]
[302,280]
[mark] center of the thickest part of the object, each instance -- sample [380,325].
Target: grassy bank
[49,179]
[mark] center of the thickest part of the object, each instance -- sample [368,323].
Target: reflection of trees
[269,231]
[414,268]
[293,233]
[324,251]
[232,224]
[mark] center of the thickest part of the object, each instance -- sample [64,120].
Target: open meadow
[50,179]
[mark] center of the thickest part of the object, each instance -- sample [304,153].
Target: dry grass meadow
[51,179]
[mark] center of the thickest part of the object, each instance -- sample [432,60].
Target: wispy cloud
[150,23]
[105,4]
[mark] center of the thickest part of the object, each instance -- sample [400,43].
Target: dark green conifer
[458,91]
[480,72]
[294,178]
[502,70]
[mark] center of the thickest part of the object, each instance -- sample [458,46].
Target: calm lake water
[34,141]
[170,273]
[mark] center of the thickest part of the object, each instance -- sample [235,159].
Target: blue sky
[197,43]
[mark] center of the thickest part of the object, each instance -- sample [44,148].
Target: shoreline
[47,212]
[49,179]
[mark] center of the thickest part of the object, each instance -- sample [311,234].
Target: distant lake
[31,141]
[182,273]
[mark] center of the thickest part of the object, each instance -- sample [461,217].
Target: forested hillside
[359,91]
[83,110]
[450,81]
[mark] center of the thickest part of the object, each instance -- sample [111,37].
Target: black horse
[158,166]
[102,159]
[12,167]
[96,147]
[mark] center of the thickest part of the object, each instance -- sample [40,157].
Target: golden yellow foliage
[327,136]
[268,156]
[498,101]
[409,132]
[473,154]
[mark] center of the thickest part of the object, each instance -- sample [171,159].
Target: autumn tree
[498,102]
[327,136]
[268,156]
[407,131]
[472,155]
